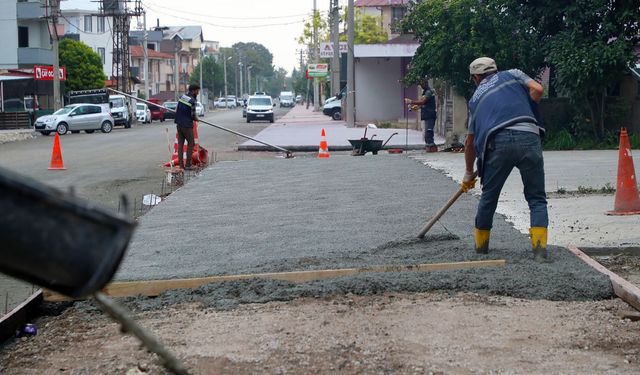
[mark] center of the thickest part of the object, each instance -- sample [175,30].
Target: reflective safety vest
[185,111]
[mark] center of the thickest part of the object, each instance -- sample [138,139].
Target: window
[101,52]
[23,36]
[397,13]
[100,24]
[88,27]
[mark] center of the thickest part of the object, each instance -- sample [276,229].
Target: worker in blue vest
[504,132]
[427,103]
[185,115]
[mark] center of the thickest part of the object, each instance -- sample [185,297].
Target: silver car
[76,117]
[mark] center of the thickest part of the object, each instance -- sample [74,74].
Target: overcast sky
[276,24]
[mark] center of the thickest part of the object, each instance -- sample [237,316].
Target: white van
[120,110]
[286,99]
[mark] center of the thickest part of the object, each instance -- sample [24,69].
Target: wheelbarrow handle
[388,139]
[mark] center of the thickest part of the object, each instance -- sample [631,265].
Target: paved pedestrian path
[300,129]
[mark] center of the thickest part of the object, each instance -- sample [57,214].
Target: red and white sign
[45,73]
[326,49]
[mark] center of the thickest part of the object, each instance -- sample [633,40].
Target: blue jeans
[429,124]
[508,149]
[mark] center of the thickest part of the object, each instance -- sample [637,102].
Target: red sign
[45,73]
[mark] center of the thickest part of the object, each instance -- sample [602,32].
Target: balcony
[30,10]
[34,56]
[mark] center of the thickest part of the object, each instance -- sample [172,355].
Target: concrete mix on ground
[310,214]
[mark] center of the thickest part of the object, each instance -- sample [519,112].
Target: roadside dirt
[626,266]
[428,333]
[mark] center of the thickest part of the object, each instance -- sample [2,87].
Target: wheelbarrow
[363,145]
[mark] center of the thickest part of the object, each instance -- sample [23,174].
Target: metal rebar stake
[129,325]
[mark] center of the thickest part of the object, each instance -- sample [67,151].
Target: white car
[199,109]
[260,107]
[225,103]
[143,113]
[76,117]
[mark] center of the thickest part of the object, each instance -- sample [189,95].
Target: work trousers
[429,125]
[508,149]
[185,134]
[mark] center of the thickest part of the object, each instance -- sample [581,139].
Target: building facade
[25,34]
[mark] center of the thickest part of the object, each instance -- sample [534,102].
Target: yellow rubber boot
[539,243]
[482,240]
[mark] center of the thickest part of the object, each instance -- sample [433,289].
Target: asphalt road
[101,167]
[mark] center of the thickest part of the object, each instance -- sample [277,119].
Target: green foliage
[565,139]
[367,29]
[454,33]
[258,57]
[84,66]
[212,75]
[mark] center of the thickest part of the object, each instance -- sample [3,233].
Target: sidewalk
[574,218]
[300,129]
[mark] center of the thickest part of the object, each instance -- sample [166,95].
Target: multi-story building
[159,66]
[185,43]
[25,34]
[82,22]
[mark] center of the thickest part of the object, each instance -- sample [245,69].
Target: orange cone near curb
[323,152]
[627,201]
[56,155]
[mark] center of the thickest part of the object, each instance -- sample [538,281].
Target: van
[286,99]
[120,110]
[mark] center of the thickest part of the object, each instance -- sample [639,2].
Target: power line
[226,18]
[225,26]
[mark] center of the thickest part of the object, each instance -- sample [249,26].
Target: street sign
[326,49]
[45,73]
[318,70]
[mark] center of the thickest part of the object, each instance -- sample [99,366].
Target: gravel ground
[421,333]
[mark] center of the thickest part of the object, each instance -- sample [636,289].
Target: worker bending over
[505,133]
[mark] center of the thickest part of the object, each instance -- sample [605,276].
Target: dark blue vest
[185,110]
[500,101]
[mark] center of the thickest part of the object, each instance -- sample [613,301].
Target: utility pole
[175,73]
[55,12]
[201,67]
[224,64]
[249,79]
[335,40]
[241,83]
[351,119]
[316,94]
[145,39]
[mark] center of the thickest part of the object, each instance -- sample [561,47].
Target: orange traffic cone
[627,201]
[323,152]
[56,155]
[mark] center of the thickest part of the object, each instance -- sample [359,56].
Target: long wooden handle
[441,212]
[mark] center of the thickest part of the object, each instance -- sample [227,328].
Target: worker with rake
[504,132]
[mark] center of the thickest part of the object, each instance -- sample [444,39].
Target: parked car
[286,99]
[199,109]
[143,113]
[260,107]
[333,109]
[225,103]
[76,117]
[120,110]
[298,99]
[172,106]
[157,112]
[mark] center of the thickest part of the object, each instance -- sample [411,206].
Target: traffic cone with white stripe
[200,156]
[323,152]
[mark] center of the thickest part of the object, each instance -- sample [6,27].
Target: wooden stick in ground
[120,314]
[441,212]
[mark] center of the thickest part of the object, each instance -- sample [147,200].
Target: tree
[367,28]
[454,33]
[84,66]
[258,57]
[212,75]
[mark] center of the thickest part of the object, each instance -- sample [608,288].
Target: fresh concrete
[308,213]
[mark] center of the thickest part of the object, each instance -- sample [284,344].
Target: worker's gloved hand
[468,181]
[407,100]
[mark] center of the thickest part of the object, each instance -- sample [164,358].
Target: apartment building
[25,34]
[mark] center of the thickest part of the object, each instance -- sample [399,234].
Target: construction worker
[504,133]
[427,102]
[185,115]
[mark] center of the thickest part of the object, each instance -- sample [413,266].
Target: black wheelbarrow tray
[363,145]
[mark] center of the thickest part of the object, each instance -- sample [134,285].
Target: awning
[635,70]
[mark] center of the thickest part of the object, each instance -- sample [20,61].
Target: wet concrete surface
[307,213]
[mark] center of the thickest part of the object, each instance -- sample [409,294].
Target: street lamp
[241,83]
[226,95]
